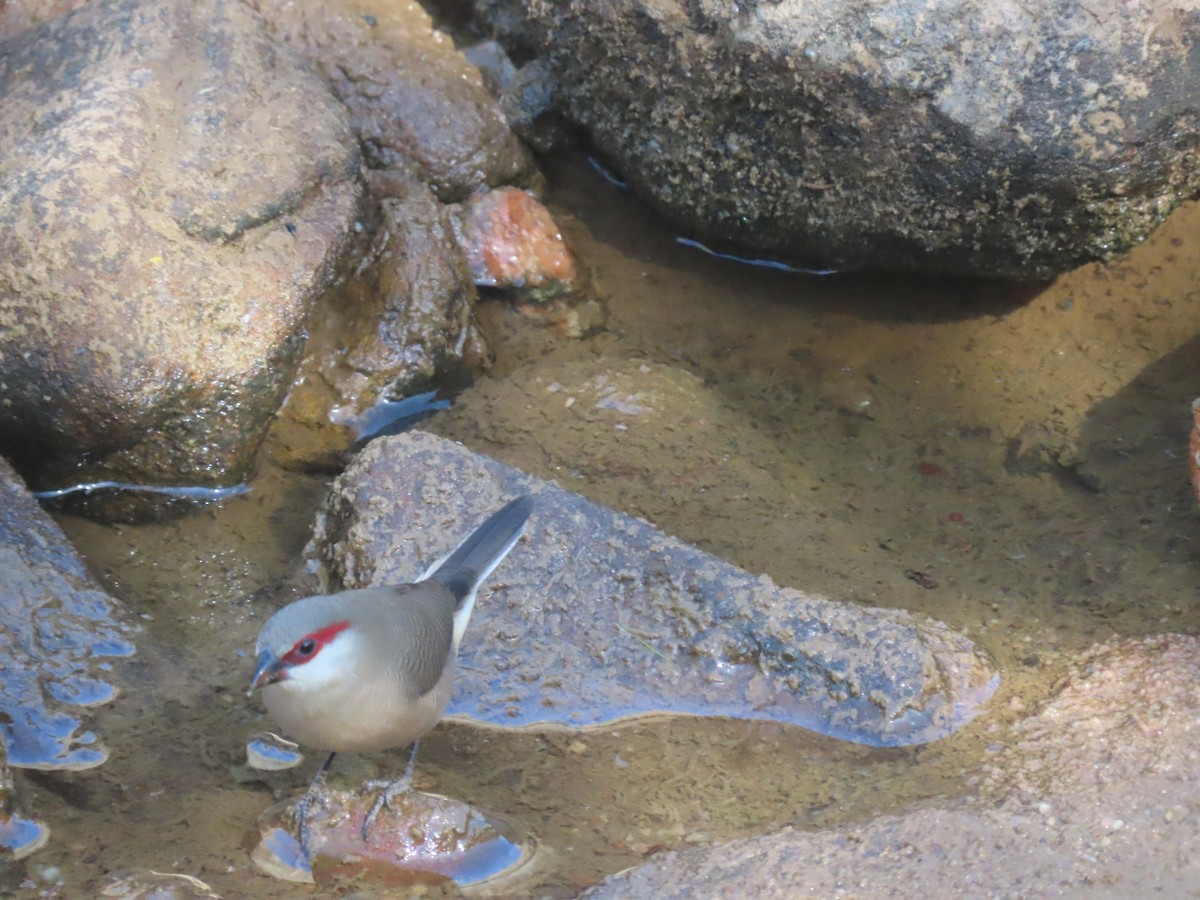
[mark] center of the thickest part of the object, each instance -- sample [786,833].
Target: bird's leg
[301,811]
[389,790]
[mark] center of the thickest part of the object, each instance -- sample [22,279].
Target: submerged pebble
[419,839]
[20,836]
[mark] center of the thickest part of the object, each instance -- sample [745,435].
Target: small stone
[269,752]
[511,241]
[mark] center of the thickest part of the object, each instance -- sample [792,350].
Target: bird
[373,668]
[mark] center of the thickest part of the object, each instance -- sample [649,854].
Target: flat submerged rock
[1095,798]
[597,616]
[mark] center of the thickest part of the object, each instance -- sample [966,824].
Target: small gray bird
[373,669]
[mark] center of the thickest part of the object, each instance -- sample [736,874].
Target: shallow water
[1008,459]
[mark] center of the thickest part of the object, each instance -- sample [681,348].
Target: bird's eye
[308,647]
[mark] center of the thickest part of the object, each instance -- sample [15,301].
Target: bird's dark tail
[474,559]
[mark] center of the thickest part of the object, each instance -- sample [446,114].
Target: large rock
[1008,138]
[59,633]
[1096,798]
[176,187]
[417,105]
[597,616]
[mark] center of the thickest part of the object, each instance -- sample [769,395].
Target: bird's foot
[300,812]
[389,790]
[300,816]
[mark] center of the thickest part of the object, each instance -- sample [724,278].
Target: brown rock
[167,215]
[1096,799]
[416,838]
[402,322]
[417,105]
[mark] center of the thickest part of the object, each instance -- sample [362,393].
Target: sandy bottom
[1008,459]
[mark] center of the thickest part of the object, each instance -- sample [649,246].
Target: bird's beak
[267,670]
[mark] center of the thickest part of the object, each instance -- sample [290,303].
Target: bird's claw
[389,790]
[303,828]
[300,812]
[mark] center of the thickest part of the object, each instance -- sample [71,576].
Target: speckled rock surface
[417,105]
[1015,139]
[597,616]
[175,189]
[1095,798]
[58,634]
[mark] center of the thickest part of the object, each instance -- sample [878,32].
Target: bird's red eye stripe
[310,645]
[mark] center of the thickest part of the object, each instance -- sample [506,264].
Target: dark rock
[597,616]
[527,96]
[1018,140]
[176,189]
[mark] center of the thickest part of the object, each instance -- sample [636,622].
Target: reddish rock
[418,838]
[512,241]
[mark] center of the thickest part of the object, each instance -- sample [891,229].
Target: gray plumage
[380,669]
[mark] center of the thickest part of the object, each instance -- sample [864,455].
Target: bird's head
[305,646]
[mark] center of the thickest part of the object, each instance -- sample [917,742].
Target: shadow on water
[615,218]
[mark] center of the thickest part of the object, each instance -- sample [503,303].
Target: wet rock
[1018,140]
[512,242]
[404,320]
[597,616]
[175,191]
[415,102]
[1096,798]
[58,633]
[19,835]
[418,838]
[526,95]
[268,752]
